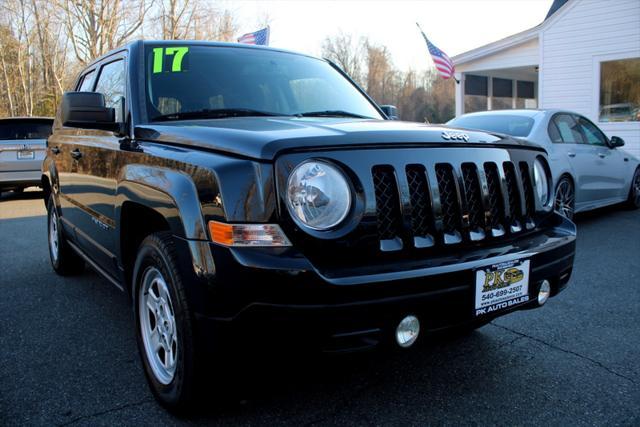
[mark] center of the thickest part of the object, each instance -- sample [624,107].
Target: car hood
[264,138]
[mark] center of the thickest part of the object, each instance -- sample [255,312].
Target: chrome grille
[452,204]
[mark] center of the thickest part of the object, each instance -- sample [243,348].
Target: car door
[96,153]
[569,145]
[61,146]
[609,168]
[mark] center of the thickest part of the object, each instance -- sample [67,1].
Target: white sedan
[589,169]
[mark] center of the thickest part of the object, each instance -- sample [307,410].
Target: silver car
[23,142]
[589,170]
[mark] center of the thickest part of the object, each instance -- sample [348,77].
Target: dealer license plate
[26,155]
[501,286]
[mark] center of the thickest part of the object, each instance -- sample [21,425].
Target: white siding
[572,46]
[521,55]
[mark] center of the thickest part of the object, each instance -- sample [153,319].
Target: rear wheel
[164,323]
[565,202]
[64,260]
[634,192]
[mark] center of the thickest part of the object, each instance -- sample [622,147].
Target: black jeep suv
[238,191]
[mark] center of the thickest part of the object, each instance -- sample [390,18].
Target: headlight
[541,181]
[318,195]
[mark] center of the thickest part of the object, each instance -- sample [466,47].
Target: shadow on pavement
[599,214]
[30,194]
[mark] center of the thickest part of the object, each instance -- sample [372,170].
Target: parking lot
[68,354]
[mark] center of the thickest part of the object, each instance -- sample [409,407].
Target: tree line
[420,96]
[45,43]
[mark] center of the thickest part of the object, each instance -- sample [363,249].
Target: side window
[593,135]
[87,82]
[568,128]
[111,83]
[554,133]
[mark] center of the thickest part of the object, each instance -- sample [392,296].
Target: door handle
[55,150]
[76,154]
[571,154]
[601,155]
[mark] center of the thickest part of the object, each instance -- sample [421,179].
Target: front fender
[169,192]
[173,195]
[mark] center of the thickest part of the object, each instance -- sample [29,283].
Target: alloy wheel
[565,199]
[158,325]
[636,189]
[54,242]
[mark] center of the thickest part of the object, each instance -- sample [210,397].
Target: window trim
[595,108]
[553,123]
[573,116]
[84,74]
[117,56]
[579,117]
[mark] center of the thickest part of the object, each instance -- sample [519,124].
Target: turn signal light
[256,235]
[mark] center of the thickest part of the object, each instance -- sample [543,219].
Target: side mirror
[87,110]
[390,111]
[616,141]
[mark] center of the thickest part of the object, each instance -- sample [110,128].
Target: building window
[476,93]
[502,93]
[620,90]
[526,97]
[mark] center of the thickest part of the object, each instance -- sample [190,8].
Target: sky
[455,26]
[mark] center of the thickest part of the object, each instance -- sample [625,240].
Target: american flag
[260,37]
[443,63]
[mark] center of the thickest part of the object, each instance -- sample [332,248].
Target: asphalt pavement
[68,354]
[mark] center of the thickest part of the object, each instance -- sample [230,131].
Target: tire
[164,330]
[64,260]
[633,202]
[565,198]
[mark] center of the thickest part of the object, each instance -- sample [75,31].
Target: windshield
[25,129]
[212,81]
[502,123]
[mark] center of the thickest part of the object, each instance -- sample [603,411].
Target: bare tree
[380,73]
[347,53]
[96,26]
[194,19]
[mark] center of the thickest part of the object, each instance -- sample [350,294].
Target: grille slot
[513,196]
[387,207]
[528,188]
[451,216]
[473,194]
[422,226]
[496,200]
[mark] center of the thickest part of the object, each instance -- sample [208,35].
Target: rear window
[25,129]
[509,124]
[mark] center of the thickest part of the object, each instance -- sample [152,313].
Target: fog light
[545,291]
[407,331]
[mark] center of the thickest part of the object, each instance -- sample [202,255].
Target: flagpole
[425,38]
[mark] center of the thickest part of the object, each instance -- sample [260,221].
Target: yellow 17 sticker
[159,54]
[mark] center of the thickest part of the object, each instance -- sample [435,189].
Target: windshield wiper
[331,113]
[219,113]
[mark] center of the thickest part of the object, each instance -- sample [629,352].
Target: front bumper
[278,295]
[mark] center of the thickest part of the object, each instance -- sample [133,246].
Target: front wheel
[634,192]
[565,201]
[64,260]
[164,323]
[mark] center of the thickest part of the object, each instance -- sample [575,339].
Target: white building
[584,57]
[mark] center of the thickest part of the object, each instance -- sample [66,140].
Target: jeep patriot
[239,192]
